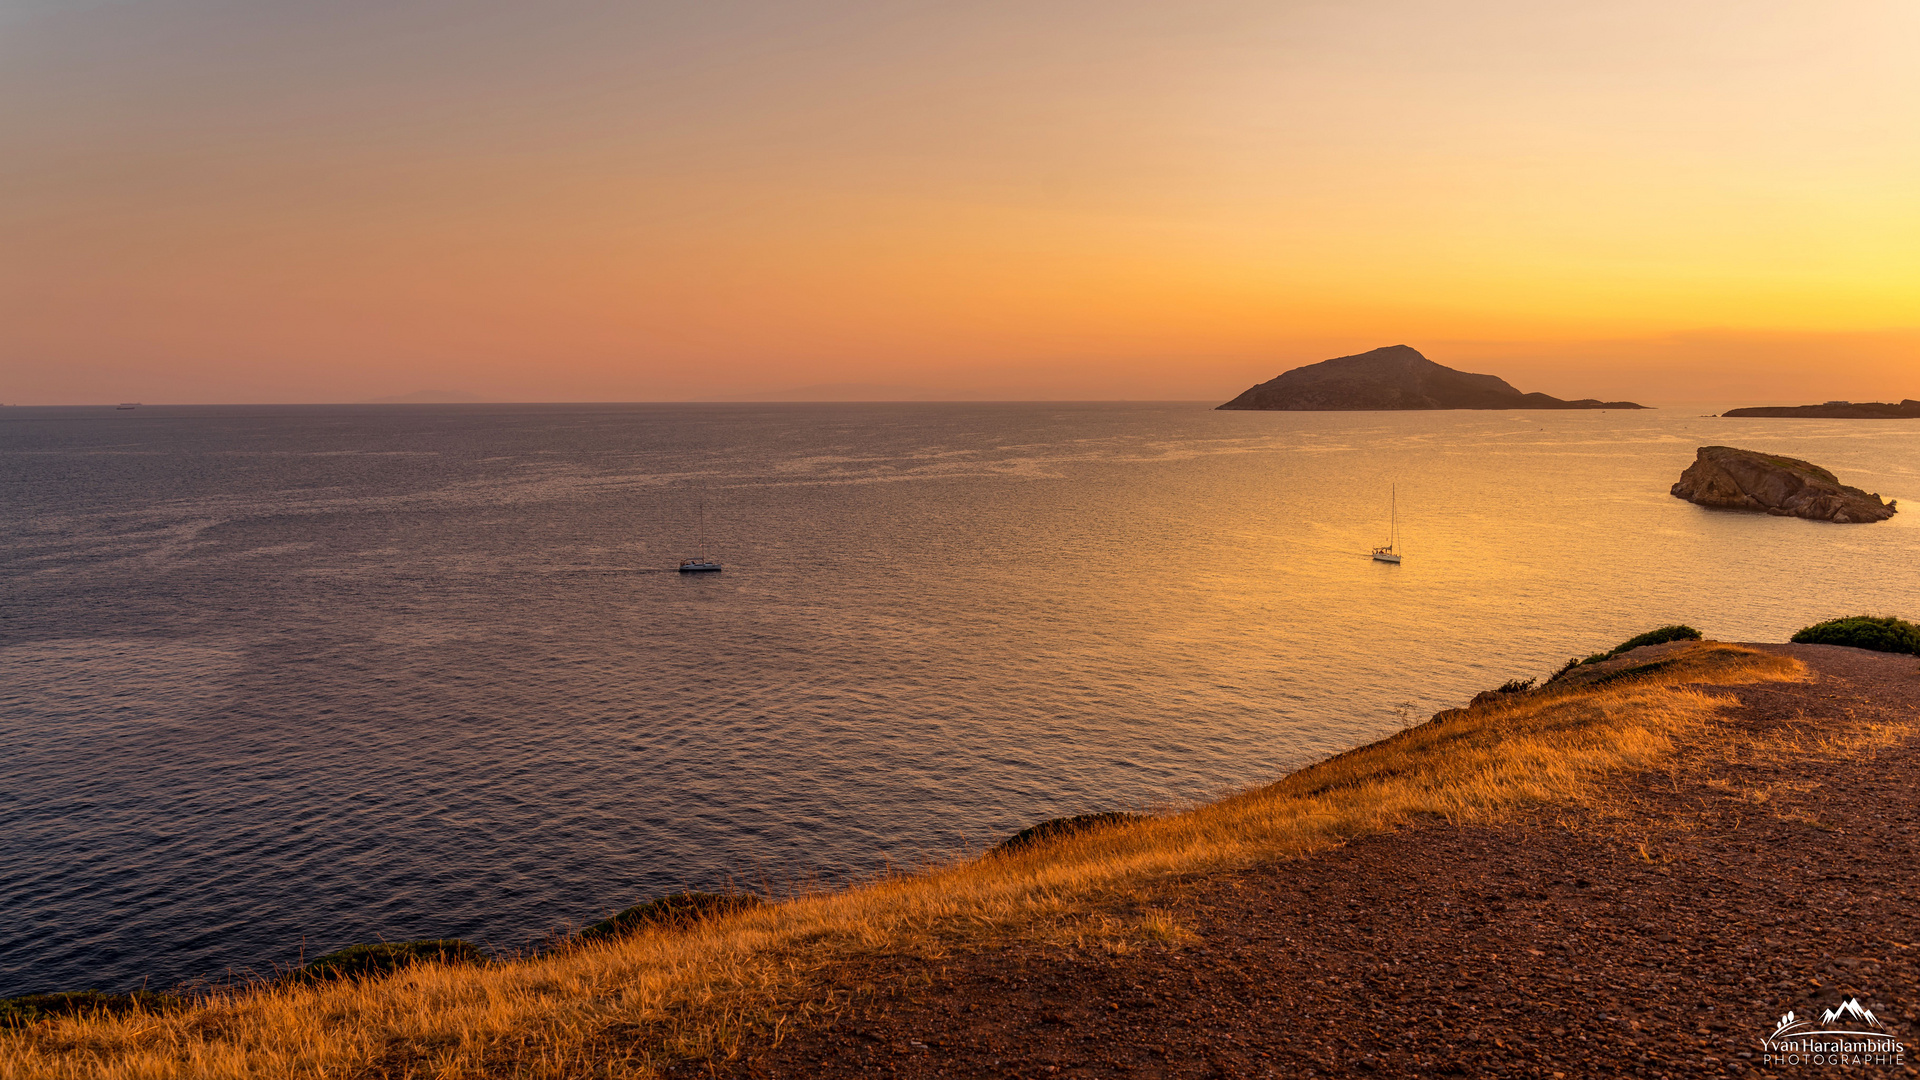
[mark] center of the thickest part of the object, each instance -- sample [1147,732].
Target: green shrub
[1515,686]
[1066,826]
[679,909]
[367,961]
[1885,634]
[28,1008]
[1676,632]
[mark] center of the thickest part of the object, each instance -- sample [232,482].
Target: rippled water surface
[275,679]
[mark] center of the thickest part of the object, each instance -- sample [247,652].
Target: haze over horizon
[209,202]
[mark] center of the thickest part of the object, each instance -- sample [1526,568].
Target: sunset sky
[273,201]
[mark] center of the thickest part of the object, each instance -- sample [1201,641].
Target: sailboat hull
[1381,556]
[699,566]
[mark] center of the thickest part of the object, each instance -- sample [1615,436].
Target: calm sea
[282,679]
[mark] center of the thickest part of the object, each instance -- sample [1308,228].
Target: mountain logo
[1847,1034]
[1850,1010]
[1841,1019]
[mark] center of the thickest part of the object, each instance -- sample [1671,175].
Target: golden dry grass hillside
[629,1006]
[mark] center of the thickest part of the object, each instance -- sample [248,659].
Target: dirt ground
[1664,937]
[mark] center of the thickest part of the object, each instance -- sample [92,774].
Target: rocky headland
[1394,378]
[1660,927]
[1616,873]
[1728,478]
[1908,409]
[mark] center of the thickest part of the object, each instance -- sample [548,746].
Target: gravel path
[1666,942]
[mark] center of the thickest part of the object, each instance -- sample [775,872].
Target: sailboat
[1390,553]
[701,564]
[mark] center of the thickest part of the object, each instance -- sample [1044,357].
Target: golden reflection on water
[333,675]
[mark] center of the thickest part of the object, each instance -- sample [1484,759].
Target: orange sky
[270,201]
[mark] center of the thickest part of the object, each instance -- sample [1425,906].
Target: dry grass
[627,1007]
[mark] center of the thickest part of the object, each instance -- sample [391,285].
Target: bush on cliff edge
[1058,828]
[1886,634]
[679,909]
[370,961]
[1675,632]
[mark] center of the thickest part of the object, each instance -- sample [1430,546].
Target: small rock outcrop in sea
[1396,377]
[1837,410]
[1731,479]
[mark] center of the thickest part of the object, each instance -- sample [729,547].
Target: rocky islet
[1396,377]
[1728,478]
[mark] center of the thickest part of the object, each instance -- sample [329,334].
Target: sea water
[275,680]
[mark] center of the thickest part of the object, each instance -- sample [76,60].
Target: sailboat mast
[703,562]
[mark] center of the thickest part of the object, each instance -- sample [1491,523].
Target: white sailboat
[701,564]
[1391,552]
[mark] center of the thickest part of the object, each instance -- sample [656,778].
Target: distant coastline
[1907,409]
[428,397]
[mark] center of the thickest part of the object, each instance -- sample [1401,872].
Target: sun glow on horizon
[214,202]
